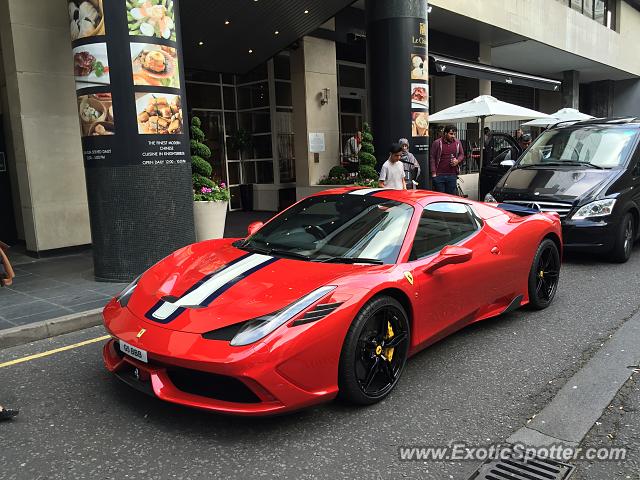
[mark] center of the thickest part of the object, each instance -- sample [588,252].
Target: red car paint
[297,366]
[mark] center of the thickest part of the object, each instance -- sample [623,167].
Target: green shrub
[368,173]
[200,150]
[200,181]
[367,159]
[200,166]
[197,134]
[338,171]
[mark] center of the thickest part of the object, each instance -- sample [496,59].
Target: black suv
[588,172]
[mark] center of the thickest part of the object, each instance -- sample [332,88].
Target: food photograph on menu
[86,17]
[96,115]
[419,95]
[159,114]
[91,65]
[155,65]
[420,124]
[151,18]
[419,68]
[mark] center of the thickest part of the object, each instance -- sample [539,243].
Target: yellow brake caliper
[388,352]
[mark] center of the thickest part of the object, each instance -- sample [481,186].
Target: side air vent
[320,311]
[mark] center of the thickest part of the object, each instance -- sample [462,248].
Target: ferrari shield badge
[141,332]
[409,277]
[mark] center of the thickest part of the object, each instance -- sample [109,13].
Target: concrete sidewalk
[58,294]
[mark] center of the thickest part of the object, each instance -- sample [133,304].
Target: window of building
[602,11]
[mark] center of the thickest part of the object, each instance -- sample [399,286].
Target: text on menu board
[164,152]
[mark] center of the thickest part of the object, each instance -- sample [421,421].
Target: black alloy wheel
[544,275]
[624,240]
[374,352]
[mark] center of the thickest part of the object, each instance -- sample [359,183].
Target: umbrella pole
[481,155]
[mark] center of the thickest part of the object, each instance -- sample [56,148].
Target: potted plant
[211,198]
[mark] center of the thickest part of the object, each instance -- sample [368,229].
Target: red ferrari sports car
[328,298]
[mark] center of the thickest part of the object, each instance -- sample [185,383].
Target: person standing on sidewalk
[446,154]
[392,171]
[6,279]
[6,274]
[410,164]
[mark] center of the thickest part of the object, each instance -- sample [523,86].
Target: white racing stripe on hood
[366,191]
[197,296]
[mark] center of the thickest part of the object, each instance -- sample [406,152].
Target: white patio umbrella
[485,108]
[562,115]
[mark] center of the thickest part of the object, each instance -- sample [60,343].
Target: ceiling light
[276,32]
[250,50]
[306,11]
[227,22]
[201,43]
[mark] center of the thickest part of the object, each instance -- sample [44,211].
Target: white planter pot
[209,219]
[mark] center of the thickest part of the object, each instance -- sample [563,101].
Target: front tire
[374,352]
[624,239]
[544,275]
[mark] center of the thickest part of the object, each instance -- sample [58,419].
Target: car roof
[630,121]
[421,197]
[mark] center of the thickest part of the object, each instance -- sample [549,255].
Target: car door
[449,297]
[504,148]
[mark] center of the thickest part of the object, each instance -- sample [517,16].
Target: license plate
[134,352]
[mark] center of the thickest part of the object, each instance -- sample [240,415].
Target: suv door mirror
[449,255]
[254,227]
[507,163]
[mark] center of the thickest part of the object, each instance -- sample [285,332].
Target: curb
[584,397]
[22,334]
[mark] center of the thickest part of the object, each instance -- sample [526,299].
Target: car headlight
[125,295]
[259,328]
[489,198]
[599,208]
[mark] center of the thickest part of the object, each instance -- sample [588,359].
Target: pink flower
[223,185]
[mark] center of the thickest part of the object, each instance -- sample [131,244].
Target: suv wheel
[624,239]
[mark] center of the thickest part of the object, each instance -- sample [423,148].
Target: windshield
[595,146]
[336,228]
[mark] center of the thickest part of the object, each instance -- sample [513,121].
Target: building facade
[264,75]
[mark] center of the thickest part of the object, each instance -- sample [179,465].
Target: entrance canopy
[487,72]
[256,30]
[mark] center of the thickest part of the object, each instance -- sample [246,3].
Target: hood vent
[319,312]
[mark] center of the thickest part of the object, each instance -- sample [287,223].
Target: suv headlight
[259,328]
[489,198]
[125,295]
[599,208]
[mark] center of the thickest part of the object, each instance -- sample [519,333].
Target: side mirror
[449,255]
[254,227]
[507,163]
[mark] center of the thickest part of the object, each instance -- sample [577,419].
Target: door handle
[495,251]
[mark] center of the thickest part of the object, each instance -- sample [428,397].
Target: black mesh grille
[219,387]
[139,214]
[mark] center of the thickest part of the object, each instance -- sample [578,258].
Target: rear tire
[625,236]
[374,352]
[544,275]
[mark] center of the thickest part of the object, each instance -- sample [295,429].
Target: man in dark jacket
[446,154]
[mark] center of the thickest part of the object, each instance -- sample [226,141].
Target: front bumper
[589,235]
[261,379]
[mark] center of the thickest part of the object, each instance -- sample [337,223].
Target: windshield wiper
[375,261]
[273,251]
[589,164]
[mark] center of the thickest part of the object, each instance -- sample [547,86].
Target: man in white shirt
[392,172]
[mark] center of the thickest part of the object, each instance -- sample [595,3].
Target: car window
[325,227]
[442,224]
[502,150]
[606,147]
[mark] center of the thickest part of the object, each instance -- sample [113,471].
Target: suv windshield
[336,228]
[595,146]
